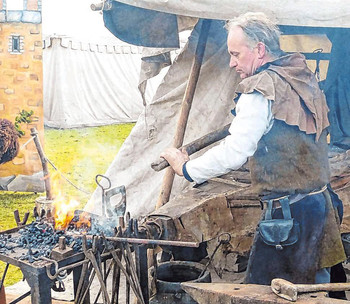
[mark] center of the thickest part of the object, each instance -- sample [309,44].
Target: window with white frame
[16,44]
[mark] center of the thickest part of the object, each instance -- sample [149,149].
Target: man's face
[242,57]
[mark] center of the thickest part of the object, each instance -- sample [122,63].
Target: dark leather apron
[298,262]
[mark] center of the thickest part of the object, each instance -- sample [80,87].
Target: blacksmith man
[280,126]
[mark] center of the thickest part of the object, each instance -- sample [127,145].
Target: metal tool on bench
[196,146]
[289,291]
[107,194]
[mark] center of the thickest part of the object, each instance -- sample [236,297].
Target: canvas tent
[90,84]
[214,93]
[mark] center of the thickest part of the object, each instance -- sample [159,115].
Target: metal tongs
[107,194]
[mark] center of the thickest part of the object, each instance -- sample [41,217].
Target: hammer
[289,291]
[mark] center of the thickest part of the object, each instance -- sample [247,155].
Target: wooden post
[43,160]
[185,110]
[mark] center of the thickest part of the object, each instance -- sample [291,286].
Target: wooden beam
[185,109]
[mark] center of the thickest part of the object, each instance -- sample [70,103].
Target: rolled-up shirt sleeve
[253,120]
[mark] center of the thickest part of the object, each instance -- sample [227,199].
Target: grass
[79,154]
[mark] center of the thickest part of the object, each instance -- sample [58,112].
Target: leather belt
[293,198]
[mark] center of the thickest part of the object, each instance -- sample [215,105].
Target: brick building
[21,86]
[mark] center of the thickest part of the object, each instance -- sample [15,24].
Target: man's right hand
[176,158]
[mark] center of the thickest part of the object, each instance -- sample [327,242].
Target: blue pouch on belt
[279,232]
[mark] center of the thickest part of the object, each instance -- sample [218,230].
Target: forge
[46,254]
[88,246]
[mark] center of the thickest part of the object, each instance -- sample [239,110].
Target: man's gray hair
[258,28]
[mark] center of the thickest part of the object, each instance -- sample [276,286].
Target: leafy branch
[23,117]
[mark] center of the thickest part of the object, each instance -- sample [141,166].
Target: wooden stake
[43,160]
[185,110]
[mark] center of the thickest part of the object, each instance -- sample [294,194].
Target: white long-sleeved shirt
[253,120]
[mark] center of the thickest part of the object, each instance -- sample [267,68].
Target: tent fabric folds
[155,128]
[91,85]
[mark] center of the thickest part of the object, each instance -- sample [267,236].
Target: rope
[26,143]
[61,174]
[317,69]
[64,177]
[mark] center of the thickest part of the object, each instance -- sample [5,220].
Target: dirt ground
[14,291]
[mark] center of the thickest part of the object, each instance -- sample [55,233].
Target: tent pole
[186,104]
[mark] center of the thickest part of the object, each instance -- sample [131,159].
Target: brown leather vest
[293,155]
[288,160]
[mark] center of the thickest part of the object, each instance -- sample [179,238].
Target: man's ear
[261,50]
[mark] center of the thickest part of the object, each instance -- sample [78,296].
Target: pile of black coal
[39,238]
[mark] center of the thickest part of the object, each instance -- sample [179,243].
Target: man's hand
[176,158]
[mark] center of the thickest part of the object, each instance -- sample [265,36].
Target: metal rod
[20,298]
[117,260]
[196,145]
[4,275]
[116,283]
[129,260]
[149,242]
[105,277]
[185,109]
[78,290]
[58,270]
[87,288]
[144,273]
[18,219]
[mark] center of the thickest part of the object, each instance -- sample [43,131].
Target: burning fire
[64,208]
[64,212]
[84,220]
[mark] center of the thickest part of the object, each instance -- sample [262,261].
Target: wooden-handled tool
[196,145]
[289,291]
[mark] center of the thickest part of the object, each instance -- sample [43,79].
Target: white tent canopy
[87,84]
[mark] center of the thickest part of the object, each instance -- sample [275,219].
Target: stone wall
[21,83]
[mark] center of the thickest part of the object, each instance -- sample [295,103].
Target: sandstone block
[9,91]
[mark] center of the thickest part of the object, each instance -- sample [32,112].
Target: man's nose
[233,62]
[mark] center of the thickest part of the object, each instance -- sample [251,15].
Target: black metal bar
[127,289]
[137,249]
[4,275]
[77,272]
[116,281]
[143,265]
[20,298]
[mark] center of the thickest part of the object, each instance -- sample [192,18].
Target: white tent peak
[76,44]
